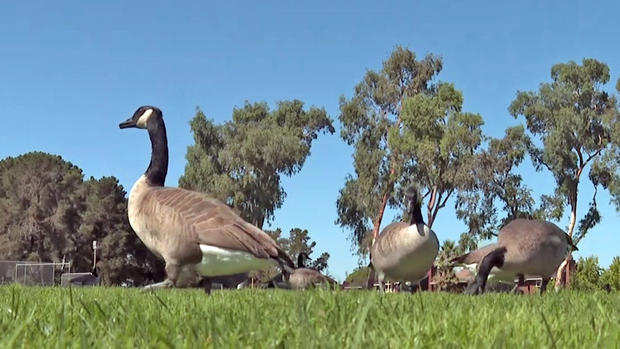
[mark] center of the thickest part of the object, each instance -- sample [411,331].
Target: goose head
[143,117]
[151,118]
[414,207]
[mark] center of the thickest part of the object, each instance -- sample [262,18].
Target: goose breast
[405,252]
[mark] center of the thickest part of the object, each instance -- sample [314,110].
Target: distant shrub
[588,274]
[611,276]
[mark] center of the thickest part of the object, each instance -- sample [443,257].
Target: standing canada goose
[302,277]
[191,231]
[405,251]
[523,247]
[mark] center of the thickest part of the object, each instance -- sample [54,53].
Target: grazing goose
[471,262]
[303,277]
[191,231]
[523,247]
[405,251]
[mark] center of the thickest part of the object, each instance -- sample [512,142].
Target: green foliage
[578,125]
[358,277]
[367,119]
[298,241]
[128,318]
[611,276]
[587,276]
[440,140]
[40,207]
[445,278]
[49,214]
[122,257]
[493,179]
[241,161]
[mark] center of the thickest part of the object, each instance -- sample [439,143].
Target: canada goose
[523,247]
[405,251]
[471,262]
[191,231]
[302,277]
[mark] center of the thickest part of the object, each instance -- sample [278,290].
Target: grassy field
[113,317]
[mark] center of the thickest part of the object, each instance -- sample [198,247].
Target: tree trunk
[375,229]
[571,228]
[430,206]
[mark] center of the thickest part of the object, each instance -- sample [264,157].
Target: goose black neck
[158,168]
[416,214]
[300,261]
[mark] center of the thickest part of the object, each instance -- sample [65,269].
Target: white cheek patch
[144,118]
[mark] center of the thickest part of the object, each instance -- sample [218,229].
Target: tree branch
[600,144]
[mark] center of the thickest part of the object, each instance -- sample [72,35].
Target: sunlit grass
[114,317]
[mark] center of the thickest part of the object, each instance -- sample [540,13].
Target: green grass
[34,317]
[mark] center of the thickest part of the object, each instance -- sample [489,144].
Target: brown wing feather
[209,221]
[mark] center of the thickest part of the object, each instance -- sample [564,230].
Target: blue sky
[71,71]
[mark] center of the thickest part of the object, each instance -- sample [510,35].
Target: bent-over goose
[191,231]
[405,251]
[524,246]
[471,261]
[302,277]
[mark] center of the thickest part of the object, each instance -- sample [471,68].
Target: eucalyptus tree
[439,142]
[241,161]
[494,181]
[367,118]
[577,125]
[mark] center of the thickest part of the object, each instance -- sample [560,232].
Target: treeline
[405,126]
[589,276]
[49,213]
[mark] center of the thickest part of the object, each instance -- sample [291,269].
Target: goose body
[524,247]
[191,231]
[533,247]
[303,278]
[405,251]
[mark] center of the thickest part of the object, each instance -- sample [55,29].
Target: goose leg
[370,280]
[520,282]
[172,272]
[380,280]
[164,284]
[493,259]
[206,285]
[543,285]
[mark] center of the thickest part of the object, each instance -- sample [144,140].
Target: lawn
[115,317]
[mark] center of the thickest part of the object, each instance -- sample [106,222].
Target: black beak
[574,247]
[126,124]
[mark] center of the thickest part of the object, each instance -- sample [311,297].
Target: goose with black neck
[405,251]
[192,232]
